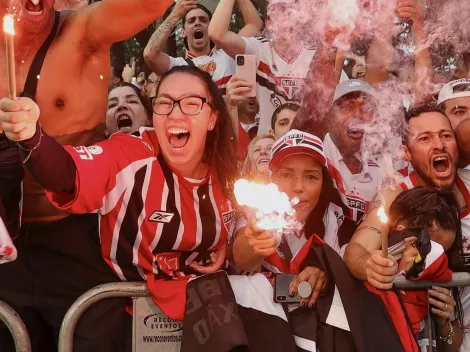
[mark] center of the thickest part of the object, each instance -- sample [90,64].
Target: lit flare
[274,210]
[9,24]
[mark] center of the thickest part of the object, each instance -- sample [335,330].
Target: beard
[429,180]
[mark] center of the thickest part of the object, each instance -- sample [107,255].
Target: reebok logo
[161,217]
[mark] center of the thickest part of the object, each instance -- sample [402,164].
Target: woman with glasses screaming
[163,197]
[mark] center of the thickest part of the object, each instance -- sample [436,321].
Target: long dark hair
[328,195]
[221,146]
[423,206]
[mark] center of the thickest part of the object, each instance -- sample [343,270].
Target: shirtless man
[61,5]
[59,256]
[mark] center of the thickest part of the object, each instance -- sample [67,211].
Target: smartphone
[282,288]
[246,70]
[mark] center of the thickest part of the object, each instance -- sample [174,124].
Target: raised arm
[363,256]
[410,10]
[379,56]
[219,31]
[253,22]
[156,59]
[111,21]
[19,119]
[320,84]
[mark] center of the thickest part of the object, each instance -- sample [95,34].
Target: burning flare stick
[384,219]
[274,211]
[9,30]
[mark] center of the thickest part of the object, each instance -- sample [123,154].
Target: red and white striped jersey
[278,80]
[153,222]
[356,190]
[218,64]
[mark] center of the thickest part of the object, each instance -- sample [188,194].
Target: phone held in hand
[246,70]
[282,288]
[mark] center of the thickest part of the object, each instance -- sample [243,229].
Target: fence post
[111,290]
[16,326]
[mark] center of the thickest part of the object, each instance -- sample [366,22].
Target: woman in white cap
[298,167]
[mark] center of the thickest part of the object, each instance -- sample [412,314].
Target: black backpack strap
[190,62]
[31,84]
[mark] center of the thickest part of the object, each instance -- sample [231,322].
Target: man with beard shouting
[63,63]
[431,148]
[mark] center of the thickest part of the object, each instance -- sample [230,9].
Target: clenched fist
[18,118]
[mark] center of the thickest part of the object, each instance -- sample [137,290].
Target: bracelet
[30,151]
[449,339]
[168,25]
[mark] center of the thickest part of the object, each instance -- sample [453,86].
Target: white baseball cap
[458,88]
[350,86]
[296,142]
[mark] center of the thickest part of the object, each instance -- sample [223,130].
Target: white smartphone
[246,70]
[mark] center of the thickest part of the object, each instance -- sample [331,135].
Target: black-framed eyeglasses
[188,105]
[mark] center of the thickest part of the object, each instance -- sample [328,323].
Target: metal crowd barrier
[458,280]
[16,326]
[85,301]
[137,290]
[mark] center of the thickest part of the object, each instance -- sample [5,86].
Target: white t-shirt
[278,81]
[217,63]
[356,190]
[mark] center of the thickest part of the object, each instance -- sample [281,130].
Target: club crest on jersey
[161,216]
[95,150]
[229,217]
[294,139]
[290,86]
[210,67]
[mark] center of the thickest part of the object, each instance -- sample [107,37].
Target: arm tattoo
[159,38]
[370,228]
[376,203]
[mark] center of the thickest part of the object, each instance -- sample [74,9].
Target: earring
[211,127]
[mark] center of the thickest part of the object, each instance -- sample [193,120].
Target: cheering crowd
[107,174]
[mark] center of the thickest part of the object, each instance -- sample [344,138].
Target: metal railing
[16,326]
[85,301]
[139,289]
[458,280]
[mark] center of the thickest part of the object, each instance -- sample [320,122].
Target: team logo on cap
[355,84]
[294,139]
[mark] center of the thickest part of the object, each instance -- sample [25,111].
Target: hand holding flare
[9,30]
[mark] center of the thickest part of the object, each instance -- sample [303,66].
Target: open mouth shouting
[263,161]
[442,166]
[34,8]
[355,129]
[178,138]
[198,35]
[124,123]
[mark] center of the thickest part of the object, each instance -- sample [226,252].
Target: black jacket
[11,176]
